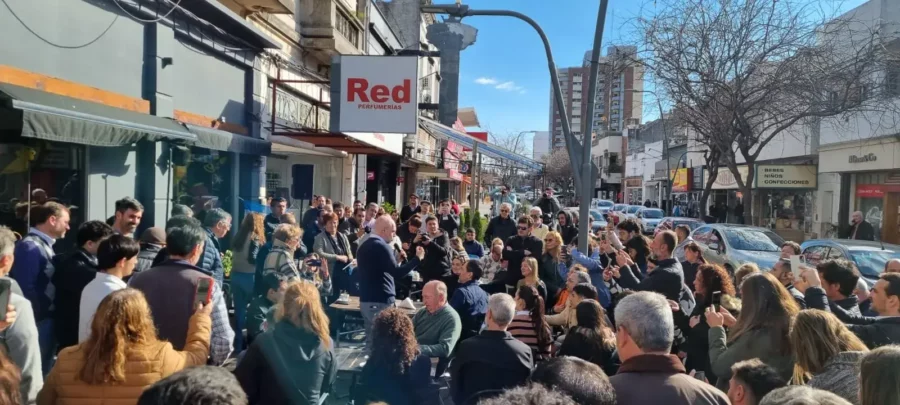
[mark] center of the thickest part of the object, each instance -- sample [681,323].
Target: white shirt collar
[109,278]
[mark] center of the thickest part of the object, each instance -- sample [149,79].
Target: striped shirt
[522,329]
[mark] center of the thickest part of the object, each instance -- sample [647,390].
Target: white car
[650,218]
[603,205]
[631,211]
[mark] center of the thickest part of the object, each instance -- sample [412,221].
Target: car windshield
[753,240]
[633,209]
[692,224]
[619,207]
[604,203]
[596,215]
[652,214]
[871,262]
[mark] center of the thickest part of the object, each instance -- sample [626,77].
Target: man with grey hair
[217,223]
[859,229]
[540,230]
[20,338]
[437,326]
[493,360]
[501,226]
[644,336]
[801,394]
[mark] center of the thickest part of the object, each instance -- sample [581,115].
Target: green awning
[225,141]
[37,114]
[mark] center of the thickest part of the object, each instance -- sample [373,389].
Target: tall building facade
[540,146]
[620,87]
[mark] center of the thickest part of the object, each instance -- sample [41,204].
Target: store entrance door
[890,232]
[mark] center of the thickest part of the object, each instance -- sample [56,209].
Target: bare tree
[558,170]
[506,171]
[743,72]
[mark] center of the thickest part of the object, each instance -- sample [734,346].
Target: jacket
[548,272]
[379,382]
[349,228]
[377,270]
[667,279]
[690,273]
[279,261]
[661,379]
[760,343]
[407,212]
[259,287]
[259,311]
[146,256]
[144,365]
[20,343]
[271,222]
[470,302]
[493,360]
[310,226]
[798,296]
[873,331]
[449,223]
[864,231]
[211,260]
[568,231]
[498,227]
[840,376]
[436,264]
[287,365]
[474,248]
[548,204]
[581,343]
[33,270]
[697,338]
[514,252]
[566,318]
[74,270]
[244,260]
[325,249]
[595,270]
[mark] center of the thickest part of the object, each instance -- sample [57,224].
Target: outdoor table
[352,306]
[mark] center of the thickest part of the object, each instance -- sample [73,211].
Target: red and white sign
[378,94]
[870,191]
[370,175]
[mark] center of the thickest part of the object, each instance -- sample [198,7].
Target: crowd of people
[519,316]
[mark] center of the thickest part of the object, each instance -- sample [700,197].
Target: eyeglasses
[548,240]
[523,228]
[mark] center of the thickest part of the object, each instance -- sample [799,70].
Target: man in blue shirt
[470,300]
[377,270]
[33,270]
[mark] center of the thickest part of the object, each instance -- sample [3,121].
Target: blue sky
[504,73]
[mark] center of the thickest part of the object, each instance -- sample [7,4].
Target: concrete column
[451,38]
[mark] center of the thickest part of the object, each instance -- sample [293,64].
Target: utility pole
[584,209]
[572,144]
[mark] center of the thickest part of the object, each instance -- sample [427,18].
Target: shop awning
[225,141]
[37,114]
[337,141]
[489,150]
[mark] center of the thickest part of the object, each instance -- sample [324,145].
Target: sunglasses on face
[504,210]
[548,240]
[523,228]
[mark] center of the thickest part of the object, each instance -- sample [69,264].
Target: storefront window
[55,168]
[427,189]
[788,209]
[204,181]
[873,212]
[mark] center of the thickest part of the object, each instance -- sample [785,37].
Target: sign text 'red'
[378,95]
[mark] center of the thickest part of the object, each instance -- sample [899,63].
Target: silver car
[649,218]
[731,245]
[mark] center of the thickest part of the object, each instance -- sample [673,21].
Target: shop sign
[786,176]
[681,180]
[370,175]
[633,183]
[870,191]
[697,175]
[376,94]
[452,154]
[725,179]
[881,154]
[871,157]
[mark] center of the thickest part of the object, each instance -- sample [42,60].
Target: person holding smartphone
[436,264]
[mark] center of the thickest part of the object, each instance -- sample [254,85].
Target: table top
[353,306]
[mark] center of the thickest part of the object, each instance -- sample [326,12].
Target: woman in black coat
[593,339]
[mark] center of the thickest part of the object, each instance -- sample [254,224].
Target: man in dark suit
[859,228]
[520,246]
[492,361]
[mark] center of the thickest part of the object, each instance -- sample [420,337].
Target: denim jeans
[242,291]
[47,343]
[369,311]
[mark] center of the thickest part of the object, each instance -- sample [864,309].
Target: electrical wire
[175,6]
[51,43]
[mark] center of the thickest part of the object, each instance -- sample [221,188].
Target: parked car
[869,257]
[599,220]
[669,224]
[603,205]
[632,210]
[732,245]
[649,218]
[618,207]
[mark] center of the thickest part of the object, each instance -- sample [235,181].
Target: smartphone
[203,295]
[314,263]
[795,266]
[700,375]
[5,287]
[716,300]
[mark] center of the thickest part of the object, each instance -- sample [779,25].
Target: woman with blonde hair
[123,355]
[760,331]
[743,272]
[292,363]
[530,277]
[245,247]
[879,382]
[828,353]
[552,264]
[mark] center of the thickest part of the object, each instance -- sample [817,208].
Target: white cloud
[508,86]
[504,86]
[486,81]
